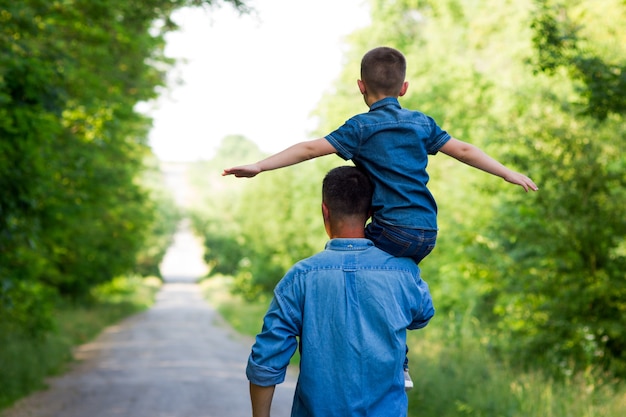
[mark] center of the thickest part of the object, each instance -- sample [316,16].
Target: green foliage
[133,293]
[567,36]
[26,362]
[223,246]
[455,374]
[557,266]
[74,211]
[26,308]
[564,293]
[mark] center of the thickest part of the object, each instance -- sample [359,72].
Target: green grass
[244,316]
[25,361]
[455,375]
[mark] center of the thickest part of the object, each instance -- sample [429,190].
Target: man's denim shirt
[350,306]
[392,145]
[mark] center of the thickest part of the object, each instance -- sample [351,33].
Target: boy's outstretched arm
[473,156]
[293,155]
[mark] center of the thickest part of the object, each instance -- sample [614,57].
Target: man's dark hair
[347,191]
[383,70]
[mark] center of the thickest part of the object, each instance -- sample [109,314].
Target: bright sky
[258,76]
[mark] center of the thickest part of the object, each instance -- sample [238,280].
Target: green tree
[73,211]
[564,291]
[567,36]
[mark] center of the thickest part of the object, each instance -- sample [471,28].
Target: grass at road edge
[26,361]
[244,316]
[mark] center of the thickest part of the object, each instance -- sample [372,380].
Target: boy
[392,145]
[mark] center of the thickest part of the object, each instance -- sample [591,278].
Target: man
[350,305]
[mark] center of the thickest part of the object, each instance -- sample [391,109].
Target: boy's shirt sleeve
[438,137]
[346,139]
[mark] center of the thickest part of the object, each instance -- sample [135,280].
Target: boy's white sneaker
[408,382]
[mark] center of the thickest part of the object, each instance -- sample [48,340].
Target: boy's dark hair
[347,191]
[383,70]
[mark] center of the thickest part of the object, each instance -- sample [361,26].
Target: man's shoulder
[378,258]
[367,256]
[331,264]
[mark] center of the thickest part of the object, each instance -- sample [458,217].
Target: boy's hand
[243,171]
[521,180]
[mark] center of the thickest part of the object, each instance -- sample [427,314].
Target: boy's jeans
[402,242]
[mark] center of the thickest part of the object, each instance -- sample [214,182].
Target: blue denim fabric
[411,243]
[392,145]
[350,305]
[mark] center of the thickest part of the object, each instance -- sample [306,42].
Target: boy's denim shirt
[350,306]
[392,145]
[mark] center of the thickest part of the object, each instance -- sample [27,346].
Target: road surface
[178,359]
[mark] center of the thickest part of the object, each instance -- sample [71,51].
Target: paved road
[178,359]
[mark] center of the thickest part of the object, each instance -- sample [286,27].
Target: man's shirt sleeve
[274,346]
[426,309]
